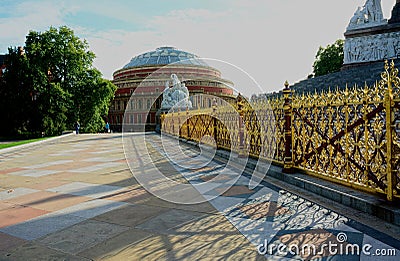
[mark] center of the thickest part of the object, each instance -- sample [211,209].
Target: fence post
[173,125]
[188,124]
[240,106]
[287,107]
[179,123]
[214,119]
[162,117]
[388,102]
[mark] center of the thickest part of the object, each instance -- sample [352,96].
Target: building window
[139,118]
[132,105]
[148,104]
[132,119]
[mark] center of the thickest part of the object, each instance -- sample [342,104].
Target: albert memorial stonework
[370,37]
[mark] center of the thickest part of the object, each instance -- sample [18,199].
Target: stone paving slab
[80,201]
[36,252]
[17,214]
[117,246]
[86,189]
[91,168]
[5,171]
[11,183]
[82,236]
[90,208]
[13,193]
[51,163]
[5,205]
[41,226]
[211,227]
[34,173]
[131,215]
[165,222]
[9,242]
[46,183]
[48,201]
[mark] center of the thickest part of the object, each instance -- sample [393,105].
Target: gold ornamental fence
[351,137]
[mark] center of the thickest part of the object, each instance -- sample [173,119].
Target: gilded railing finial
[385,76]
[394,75]
[286,84]
[286,90]
[390,76]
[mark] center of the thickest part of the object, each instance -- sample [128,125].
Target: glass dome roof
[164,56]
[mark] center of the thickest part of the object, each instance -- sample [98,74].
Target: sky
[266,41]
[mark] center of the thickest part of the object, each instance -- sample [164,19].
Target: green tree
[93,100]
[16,95]
[329,59]
[64,82]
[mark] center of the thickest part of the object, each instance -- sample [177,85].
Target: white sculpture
[369,15]
[372,48]
[391,48]
[176,96]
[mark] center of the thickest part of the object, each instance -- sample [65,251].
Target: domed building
[144,79]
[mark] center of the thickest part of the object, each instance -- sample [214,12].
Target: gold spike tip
[392,64]
[286,84]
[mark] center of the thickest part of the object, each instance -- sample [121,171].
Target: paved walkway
[76,199]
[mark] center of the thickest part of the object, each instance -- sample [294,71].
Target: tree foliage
[16,87]
[329,59]
[53,84]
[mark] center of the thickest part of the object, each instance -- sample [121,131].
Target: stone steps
[358,75]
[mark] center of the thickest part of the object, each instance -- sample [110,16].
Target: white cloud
[28,16]
[273,40]
[271,48]
[114,49]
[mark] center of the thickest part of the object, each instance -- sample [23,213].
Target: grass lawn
[20,142]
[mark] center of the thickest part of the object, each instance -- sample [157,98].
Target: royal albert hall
[142,81]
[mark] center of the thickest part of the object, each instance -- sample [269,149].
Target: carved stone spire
[369,15]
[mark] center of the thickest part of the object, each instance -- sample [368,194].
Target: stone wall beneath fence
[355,75]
